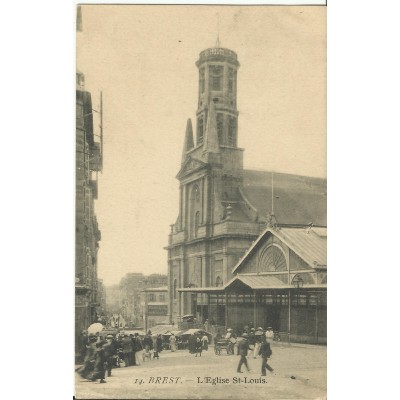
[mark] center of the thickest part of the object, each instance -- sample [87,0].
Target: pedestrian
[99,364]
[148,343]
[138,348]
[127,349]
[84,341]
[206,325]
[90,356]
[258,340]
[252,339]
[217,344]
[199,346]
[269,335]
[243,348]
[265,352]
[159,345]
[204,342]
[192,344]
[109,351]
[132,359]
[172,342]
[155,353]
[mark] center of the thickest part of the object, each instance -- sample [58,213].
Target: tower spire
[217,43]
[188,143]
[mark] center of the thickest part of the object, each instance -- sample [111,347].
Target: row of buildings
[138,301]
[89,291]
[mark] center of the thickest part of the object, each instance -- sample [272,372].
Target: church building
[225,209]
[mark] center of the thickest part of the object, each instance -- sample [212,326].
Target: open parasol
[95,328]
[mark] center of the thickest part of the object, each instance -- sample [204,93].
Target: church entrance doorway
[272,317]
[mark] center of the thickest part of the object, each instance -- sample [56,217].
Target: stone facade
[154,307]
[130,287]
[223,207]
[87,233]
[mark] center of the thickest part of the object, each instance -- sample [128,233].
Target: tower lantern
[218,84]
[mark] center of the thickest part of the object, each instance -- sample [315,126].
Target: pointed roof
[188,143]
[297,199]
[211,135]
[308,243]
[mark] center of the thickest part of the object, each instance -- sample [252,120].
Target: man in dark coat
[198,346]
[138,348]
[265,352]
[192,344]
[159,345]
[90,356]
[99,364]
[252,339]
[110,351]
[243,348]
[132,360]
[127,349]
[148,341]
[84,341]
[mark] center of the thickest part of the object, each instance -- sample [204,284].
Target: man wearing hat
[269,335]
[127,349]
[252,339]
[243,348]
[265,352]
[109,351]
[258,339]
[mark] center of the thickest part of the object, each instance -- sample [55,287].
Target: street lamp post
[297,282]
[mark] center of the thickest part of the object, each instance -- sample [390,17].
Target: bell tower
[218,85]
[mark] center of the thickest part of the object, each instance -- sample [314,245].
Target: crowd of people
[251,343]
[197,343]
[102,354]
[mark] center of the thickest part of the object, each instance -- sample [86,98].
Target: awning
[202,289]
[259,282]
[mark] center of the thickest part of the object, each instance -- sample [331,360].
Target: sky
[143,60]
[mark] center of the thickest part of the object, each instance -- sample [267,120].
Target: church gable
[190,165]
[277,251]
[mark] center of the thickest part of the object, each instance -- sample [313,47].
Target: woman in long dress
[204,341]
[172,342]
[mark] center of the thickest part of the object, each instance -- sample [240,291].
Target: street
[299,373]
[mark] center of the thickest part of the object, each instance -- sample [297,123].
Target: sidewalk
[299,373]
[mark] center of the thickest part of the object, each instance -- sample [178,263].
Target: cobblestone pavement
[299,373]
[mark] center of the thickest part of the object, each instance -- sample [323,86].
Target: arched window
[220,127]
[218,281]
[196,223]
[232,132]
[216,72]
[201,79]
[273,259]
[200,131]
[175,288]
[194,211]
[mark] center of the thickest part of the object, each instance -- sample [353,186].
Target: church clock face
[273,260]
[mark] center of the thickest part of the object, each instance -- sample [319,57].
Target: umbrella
[95,328]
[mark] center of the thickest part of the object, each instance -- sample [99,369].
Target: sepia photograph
[200,202]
